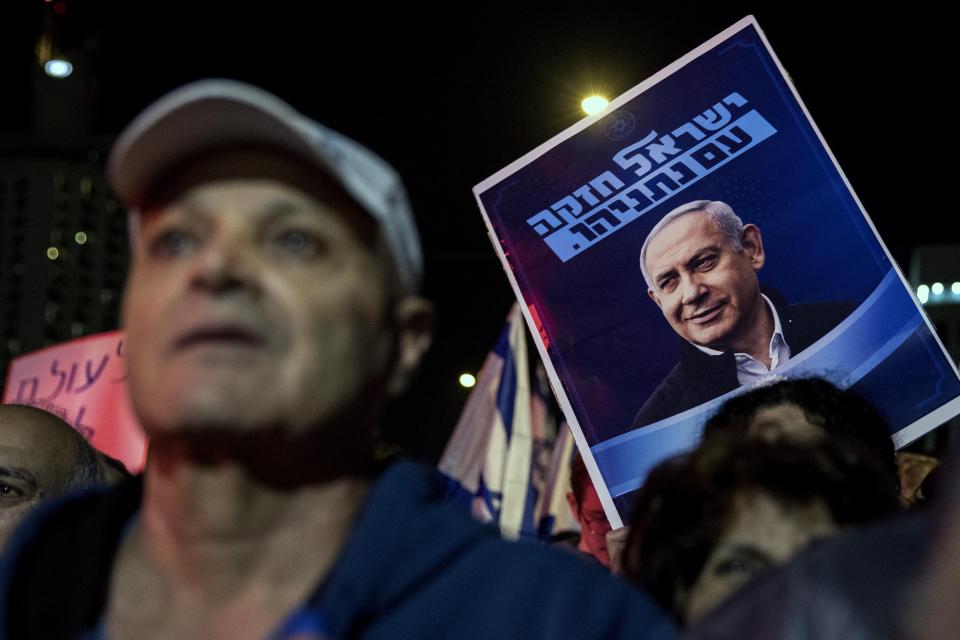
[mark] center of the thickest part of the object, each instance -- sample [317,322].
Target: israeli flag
[500,454]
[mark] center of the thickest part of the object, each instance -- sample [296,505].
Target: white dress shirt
[750,371]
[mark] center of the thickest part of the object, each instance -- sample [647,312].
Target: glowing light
[53,253]
[955,288]
[923,293]
[80,237]
[937,288]
[467,380]
[58,68]
[594,105]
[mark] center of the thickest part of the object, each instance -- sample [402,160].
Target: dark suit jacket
[700,377]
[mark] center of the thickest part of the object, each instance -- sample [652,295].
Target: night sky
[453,94]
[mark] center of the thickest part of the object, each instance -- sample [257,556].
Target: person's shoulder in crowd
[59,560]
[850,587]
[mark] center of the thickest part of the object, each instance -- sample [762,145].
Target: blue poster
[694,241]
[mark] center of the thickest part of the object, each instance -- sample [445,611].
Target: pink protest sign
[85,382]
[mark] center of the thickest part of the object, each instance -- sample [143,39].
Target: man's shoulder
[521,591]
[832,311]
[445,574]
[806,322]
[91,520]
[695,379]
[60,560]
[669,398]
[572,596]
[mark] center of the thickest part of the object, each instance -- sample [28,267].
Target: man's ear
[413,317]
[653,296]
[752,243]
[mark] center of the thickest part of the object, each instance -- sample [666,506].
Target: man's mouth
[708,314]
[219,335]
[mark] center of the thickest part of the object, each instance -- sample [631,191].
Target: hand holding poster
[695,241]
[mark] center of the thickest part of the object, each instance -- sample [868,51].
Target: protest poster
[638,366]
[84,382]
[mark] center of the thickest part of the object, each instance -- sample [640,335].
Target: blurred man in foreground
[270,311]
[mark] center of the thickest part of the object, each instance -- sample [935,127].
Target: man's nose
[692,289]
[224,264]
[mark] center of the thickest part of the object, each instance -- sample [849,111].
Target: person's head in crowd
[700,263]
[706,523]
[804,410]
[254,251]
[588,511]
[40,456]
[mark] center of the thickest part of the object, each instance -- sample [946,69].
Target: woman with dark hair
[708,522]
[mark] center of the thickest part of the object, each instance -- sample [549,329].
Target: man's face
[761,532]
[258,298]
[37,459]
[594,525]
[707,291]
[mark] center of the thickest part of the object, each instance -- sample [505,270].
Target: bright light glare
[937,288]
[467,380]
[53,253]
[955,288]
[923,293]
[80,237]
[594,105]
[58,68]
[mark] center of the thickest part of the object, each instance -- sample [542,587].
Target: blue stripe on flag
[490,499]
[507,391]
[529,527]
[455,492]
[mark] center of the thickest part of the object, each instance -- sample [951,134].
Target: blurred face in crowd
[259,298]
[707,290]
[594,525]
[761,532]
[38,456]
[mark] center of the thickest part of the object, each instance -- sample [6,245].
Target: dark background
[452,94]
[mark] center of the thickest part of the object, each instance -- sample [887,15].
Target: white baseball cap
[203,116]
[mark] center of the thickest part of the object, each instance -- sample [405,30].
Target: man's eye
[707,263]
[300,243]
[172,243]
[9,491]
[668,285]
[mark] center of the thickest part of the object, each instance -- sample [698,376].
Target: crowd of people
[271,310]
